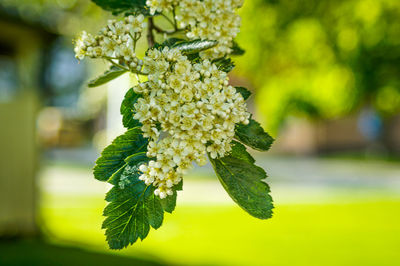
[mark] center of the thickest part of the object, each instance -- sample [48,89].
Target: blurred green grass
[361,232]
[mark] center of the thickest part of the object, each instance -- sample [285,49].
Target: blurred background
[326,83]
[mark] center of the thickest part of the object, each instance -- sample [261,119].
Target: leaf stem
[124,68]
[117,65]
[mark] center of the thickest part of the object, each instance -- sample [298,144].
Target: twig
[174,17]
[150,36]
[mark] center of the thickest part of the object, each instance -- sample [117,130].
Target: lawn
[363,232]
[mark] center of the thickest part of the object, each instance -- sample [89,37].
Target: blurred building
[360,132]
[22,47]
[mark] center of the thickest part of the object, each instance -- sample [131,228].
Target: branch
[150,36]
[174,17]
[152,26]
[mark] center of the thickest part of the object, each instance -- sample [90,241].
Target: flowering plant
[181,111]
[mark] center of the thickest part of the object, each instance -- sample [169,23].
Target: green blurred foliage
[323,59]
[65,17]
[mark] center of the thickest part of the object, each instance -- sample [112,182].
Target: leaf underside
[195,46]
[113,73]
[187,47]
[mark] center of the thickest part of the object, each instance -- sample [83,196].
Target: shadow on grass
[38,252]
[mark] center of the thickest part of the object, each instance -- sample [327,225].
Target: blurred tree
[323,59]
[28,30]
[19,103]
[64,17]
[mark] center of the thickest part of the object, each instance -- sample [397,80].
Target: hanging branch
[166,115]
[150,36]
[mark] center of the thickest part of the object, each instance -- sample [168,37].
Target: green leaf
[239,151]
[155,211]
[244,182]
[119,6]
[254,136]
[135,158]
[169,203]
[171,42]
[192,47]
[236,49]
[113,157]
[224,64]
[127,179]
[133,207]
[127,109]
[245,92]
[127,214]
[113,73]
[194,58]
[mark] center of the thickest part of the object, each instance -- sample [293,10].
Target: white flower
[82,44]
[114,42]
[194,106]
[186,95]
[186,110]
[208,19]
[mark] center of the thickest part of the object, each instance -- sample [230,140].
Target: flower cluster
[161,5]
[115,42]
[186,111]
[208,19]
[212,20]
